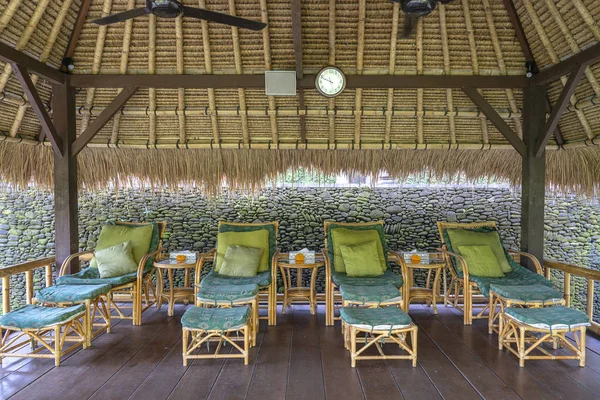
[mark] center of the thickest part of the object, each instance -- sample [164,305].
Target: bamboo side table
[173,293]
[431,292]
[290,292]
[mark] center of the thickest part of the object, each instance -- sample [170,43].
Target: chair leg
[413,339]
[352,346]
[272,304]
[57,347]
[468,312]
[246,347]
[582,350]
[184,341]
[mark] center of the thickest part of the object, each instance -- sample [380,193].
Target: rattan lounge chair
[266,280]
[478,288]
[137,284]
[334,279]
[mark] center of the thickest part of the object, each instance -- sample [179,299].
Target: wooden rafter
[38,107]
[102,119]
[420,135]
[10,55]
[496,120]
[557,71]
[509,5]
[446,54]
[331,36]
[237,55]
[360,53]
[180,91]
[297,36]
[56,26]
[151,67]
[8,13]
[264,17]
[559,108]
[214,120]
[587,17]
[77,28]
[114,137]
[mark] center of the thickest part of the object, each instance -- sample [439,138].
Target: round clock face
[330,81]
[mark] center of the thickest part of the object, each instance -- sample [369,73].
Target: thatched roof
[465,37]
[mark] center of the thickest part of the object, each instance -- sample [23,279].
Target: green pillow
[241,261]
[361,259]
[116,260]
[481,261]
[258,239]
[351,237]
[140,238]
[463,237]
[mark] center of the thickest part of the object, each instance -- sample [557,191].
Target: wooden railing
[570,270]
[27,268]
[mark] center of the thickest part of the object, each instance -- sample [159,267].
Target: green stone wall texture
[410,215]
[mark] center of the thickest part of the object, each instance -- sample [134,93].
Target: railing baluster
[567,288]
[590,298]
[5,294]
[28,286]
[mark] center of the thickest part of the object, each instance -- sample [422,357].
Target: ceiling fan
[173,9]
[414,9]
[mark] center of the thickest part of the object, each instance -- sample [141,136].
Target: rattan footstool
[45,328]
[205,325]
[95,298]
[536,326]
[231,296]
[379,325]
[370,295]
[504,296]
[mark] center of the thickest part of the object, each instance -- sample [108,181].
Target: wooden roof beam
[585,58]
[38,107]
[212,105]
[519,32]
[101,120]
[331,38]
[77,28]
[559,108]
[264,17]
[297,35]
[360,53]
[13,56]
[496,119]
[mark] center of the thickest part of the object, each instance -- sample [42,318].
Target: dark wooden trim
[559,108]
[102,119]
[65,176]
[302,117]
[519,32]
[496,119]
[297,35]
[557,132]
[584,58]
[79,22]
[13,56]
[38,107]
[257,81]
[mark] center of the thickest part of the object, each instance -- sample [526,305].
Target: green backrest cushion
[257,239]
[348,236]
[358,259]
[153,243]
[455,238]
[116,260]
[241,261]
[139,236]
[481,261]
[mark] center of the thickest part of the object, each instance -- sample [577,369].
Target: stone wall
[410,214]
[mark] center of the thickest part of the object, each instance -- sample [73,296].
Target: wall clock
[330,81]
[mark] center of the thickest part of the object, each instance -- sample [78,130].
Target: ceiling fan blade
[221,18]
[120,17]
[410,22]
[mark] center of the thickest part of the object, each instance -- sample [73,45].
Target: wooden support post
[65,176]
[533,185]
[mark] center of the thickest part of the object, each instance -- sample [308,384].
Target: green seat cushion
[371,293]
[38,317]
[556,317]
[340,278]
[481,261]
[255,239]
[91,276]
[358,259]
[527,294]
[262,279]
[215,319]
[351,237]
[377,319]
[71,293]
[241,261]
[455,238]
[116,260]
[139,236]
[227,294]
[520,276]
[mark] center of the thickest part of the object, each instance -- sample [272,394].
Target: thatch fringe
[576,170]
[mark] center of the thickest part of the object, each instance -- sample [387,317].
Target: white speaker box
[280,83]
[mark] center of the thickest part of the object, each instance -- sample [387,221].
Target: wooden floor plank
[377,381]
[198,379]
[305,380]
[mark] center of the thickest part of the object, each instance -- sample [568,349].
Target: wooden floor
[300,358]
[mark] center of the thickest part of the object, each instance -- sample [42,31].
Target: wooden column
[533,189]
[65,176]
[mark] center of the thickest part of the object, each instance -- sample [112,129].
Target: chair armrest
[68,260]
[274,268]
[327,262]
[204,258]
[142,264]
[534,260]
[463,262]
[397,258]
